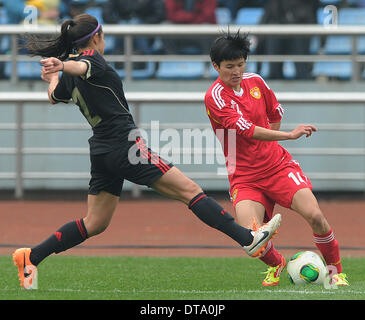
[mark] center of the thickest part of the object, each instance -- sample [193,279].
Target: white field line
[173,291]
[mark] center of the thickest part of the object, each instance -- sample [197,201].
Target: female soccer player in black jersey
[97,89]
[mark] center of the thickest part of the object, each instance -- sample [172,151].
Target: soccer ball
[306,267]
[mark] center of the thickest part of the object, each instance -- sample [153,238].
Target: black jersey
[100,97]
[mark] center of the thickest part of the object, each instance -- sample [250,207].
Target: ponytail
[61,46]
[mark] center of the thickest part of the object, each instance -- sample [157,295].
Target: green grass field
[151,278]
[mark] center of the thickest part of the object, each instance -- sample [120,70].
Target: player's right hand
[51,65]
[302,129]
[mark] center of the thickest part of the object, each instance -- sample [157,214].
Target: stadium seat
[180,70]
[327,2]
[264,70]
[4,44]
[343,44]
[351,16]
[145,73]
[289,71]
[223,16]
[109,44]
[249,16]
[336,69]
[26,70]
[338,45]
[315,45]
[3,16]
[321,15]
[97,12]
[80,1]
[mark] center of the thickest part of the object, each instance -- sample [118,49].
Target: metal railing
[137,98]
[128,32]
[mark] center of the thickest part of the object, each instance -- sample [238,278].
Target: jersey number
[79,100]
[297,179]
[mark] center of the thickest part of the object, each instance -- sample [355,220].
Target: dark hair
[230,47]
[61,46]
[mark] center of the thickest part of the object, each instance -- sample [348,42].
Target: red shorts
[278,188]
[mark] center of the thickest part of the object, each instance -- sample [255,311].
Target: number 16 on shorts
[298,178]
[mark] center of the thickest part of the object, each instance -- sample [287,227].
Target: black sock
[210,212]
[68,236]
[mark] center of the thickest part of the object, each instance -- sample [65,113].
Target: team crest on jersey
[234,195]
[255,92]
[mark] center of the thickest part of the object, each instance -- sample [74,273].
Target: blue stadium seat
[110,42]
[361,45]
[338,45]
[4,44]
[249,16]
[26,70]
[315,45]
[3,16]
[97,12]
[351,16]
[327,2]
[343,44]
[321,15]
[289,71]
[264,70]
[180,70]
[223,16]
[146,73]
[80,1]
[336,69]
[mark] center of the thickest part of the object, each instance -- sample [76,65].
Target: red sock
[271,256]
[328,246]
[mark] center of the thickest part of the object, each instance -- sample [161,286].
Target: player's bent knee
[95,227]
[191,189]
[187,190]
[316,219]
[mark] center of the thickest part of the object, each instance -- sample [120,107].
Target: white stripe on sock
[327,239]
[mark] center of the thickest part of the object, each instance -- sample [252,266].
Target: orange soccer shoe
[28,273]
[262,235]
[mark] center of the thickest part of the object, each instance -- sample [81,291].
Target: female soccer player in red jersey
[98,91]
[262,172]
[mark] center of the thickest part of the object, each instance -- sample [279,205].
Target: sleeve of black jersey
[96,64]
[63,91]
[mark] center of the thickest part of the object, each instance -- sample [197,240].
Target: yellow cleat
[273,274]
[339,279]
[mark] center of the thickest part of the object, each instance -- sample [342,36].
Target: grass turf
[151,278]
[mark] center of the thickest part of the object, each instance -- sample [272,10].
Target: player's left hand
[47,76]
[51,65]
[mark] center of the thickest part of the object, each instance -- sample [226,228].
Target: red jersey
[255,105]
[201,12]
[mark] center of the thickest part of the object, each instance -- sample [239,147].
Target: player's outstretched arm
[261,133]
[74,68]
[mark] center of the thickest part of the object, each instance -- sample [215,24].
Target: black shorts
[136,163]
